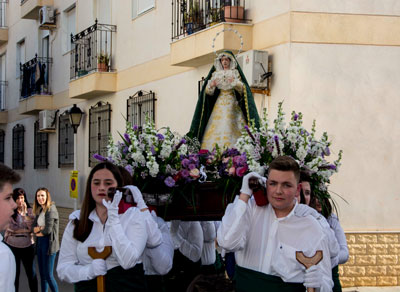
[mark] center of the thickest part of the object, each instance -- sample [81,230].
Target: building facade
[336,61]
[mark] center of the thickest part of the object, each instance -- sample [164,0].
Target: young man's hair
[7,175]
[285,163]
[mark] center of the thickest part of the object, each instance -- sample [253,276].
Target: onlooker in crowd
[46,227]
[19,237]
[8,177]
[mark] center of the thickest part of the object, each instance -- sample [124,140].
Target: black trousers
[26,256]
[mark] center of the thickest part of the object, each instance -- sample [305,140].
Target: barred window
[18,147]
[65,141]
[99,130]
[2,136]
[139,105]
[41,142]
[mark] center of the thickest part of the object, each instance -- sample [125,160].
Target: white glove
[112,209]
[137,197]
[313,277]
[98,267]
[245,182]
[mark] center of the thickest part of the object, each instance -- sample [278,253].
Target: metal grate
[18,147]
[3,88]
[41,148]
[139,105]
[99,130]
[92,50]
[190,16]
[2,136]
[65,141]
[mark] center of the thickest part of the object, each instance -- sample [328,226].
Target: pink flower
[225,159]
[232,171]
[240,171]
[194,173]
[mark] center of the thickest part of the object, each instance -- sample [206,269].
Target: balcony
[91,70]
[196,23]
[3,107]
[30,8]
[3,22]
[35,86]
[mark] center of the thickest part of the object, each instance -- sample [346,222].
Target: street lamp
[75,117]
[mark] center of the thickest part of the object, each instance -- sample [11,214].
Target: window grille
[2,136]
[99,130]
[41,142]
[139,105]
[18,147]
[65,141]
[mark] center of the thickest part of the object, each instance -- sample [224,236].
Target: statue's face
[226,62]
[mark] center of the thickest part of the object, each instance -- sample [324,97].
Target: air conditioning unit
[47,121]
[254,65]
[46,15]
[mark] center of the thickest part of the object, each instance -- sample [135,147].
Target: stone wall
[374,260]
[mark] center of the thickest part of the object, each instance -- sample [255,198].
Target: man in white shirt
[265,238]
[8,177]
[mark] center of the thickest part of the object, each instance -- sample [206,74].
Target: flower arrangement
[264,144]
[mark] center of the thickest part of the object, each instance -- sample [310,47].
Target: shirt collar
[1,237]
[93,216]
[286,217]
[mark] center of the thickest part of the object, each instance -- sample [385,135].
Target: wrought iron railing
[35,77]
[92,50]
[3,13]
[140,105]
[3,92]
[190,16]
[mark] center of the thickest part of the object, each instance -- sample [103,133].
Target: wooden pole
[101,280]
[309,261]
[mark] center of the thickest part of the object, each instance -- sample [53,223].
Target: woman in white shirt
[98,224]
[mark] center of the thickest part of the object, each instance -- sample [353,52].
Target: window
[141,6]
[69,24]
[3,82]
[65,141]
[20,56]
[3,13]
[18,147]
[99,130]
[139,105]
[41,142]
[2,136]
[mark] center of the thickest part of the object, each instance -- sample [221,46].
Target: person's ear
[298,190]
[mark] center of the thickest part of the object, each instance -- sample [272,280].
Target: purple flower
[129,169]
[183,141]
[248,132]
[296,116]
[327,151]
[169,181]
[185,162]
[127,139]
[192,166]
[135,128]
[125,150]
[153,151]
[332,166]
[160,137]
[99,157]
[184,173]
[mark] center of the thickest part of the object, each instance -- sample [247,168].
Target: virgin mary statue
[225,105]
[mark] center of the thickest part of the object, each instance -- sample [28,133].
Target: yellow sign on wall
[73,184]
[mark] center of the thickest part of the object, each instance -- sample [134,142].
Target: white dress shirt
[187,236]
[158,260]
[264,243]
[7,268]
[209,233]
[128,240]
[343,255]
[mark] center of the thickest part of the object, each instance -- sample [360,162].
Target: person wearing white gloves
[98,224]
[265,238]
[159,252]
[187,237]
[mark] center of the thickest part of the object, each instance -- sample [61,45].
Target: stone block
[341,270]
[354,271]
[394,249]
[347,281]
[365,281]
[356,249]
[376,271]
[393,270]
[366,238]
[386,259]
[351,238]
[377,248]
[365,260]
[386,281]
[351,261]
[388,238]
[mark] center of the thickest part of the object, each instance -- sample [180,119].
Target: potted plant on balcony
[215,15]
[103,62]
[233,11]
